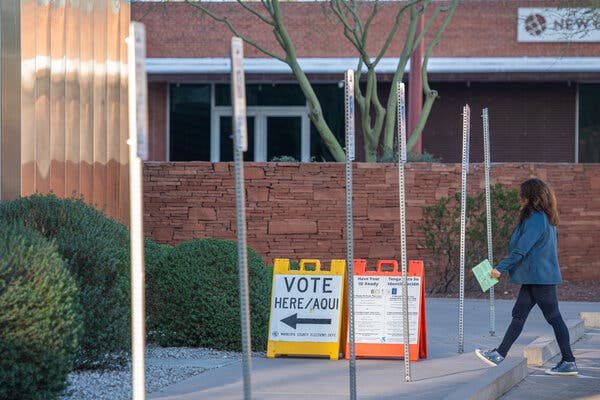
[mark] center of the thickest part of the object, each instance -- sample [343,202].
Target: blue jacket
[533,257]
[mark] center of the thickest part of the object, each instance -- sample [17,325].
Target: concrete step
[591,319]
[544,348]
[494,382]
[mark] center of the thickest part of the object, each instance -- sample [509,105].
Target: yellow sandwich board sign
[306,309]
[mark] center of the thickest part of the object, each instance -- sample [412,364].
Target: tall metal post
[350,153]
[138,151]
[488,209]
[463,223]
[415,85]
[240,145]
[400,95]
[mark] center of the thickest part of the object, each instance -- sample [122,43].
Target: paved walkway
[442,373]
[538,385]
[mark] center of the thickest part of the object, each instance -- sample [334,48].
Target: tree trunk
[315,113]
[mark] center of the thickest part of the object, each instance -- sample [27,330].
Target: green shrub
[39,322]
[424,157]
[284,159]
[155,256]
[96,251]
[196,296]
[441,226]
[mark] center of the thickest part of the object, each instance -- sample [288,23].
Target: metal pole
[240,144]
[138,151]
[463,223]
[488,208]
[415,85]
[400,95]
[349,108]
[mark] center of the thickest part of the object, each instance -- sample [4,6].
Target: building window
[331,97]
[189,127]
[272,132]
[263,94]
[226,138]
[589,123]
[278,124]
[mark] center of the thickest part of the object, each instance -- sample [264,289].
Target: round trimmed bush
[196,296]
[39,323]
[96,251]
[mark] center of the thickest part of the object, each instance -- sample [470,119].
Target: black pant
[545,297]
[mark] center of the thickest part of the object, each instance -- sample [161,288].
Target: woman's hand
[495,273]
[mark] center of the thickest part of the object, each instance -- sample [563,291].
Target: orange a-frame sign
[378,322]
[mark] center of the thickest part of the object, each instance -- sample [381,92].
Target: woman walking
[532,262]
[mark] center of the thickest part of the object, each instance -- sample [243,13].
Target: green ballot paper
[482,273]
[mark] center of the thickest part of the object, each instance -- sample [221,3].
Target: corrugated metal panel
[113,94]
[528,121]
[74,90]
[57,98]
[99,101]
[123,117]
[10,127]
[42,98]
[72,99]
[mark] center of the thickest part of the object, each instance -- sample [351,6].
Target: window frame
[260,114]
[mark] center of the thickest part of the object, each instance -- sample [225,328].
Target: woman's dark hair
[538,197]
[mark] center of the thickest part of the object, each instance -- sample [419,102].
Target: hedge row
[64,294]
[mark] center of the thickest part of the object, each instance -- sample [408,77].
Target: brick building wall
[297,210]
[157,120]
[480,28]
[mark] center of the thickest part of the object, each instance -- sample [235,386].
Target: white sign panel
[402,120]
[238,93]
[138,33]
[378,309]
[349,92]
[558,25]
[306,308]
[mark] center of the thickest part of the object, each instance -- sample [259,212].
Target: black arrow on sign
[293,320]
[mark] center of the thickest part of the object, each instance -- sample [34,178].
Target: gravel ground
[116,384]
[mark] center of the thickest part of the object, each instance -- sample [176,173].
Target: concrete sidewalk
[442,374]
[586,385]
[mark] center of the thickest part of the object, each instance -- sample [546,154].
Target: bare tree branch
[370,19]
[350,32]
[284,40]
[253,11]
[393,31]
[390,121]
[226,21]
[267,5]
[375,118]
[352,10]
[428,25]
[430,95]
[360,99]
[315,112]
